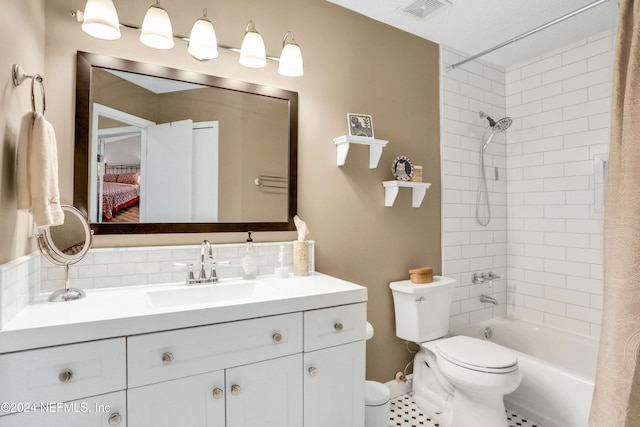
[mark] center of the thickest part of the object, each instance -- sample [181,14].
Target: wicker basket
[421,275]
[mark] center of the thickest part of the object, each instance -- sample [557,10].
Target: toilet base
[478,410]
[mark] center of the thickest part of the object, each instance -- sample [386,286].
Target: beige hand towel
[37,170]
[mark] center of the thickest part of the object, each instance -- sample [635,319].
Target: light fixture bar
[78,14]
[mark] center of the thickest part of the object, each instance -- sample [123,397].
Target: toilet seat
[477,355]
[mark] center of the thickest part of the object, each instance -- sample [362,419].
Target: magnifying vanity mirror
[164,150]
[65,245]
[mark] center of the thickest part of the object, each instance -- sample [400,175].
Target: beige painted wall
[22,35]
[352,64]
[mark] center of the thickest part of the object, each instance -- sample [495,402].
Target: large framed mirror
[161,150]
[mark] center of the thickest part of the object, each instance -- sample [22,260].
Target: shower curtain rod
[531,32]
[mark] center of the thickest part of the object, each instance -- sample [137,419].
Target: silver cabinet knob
[167,357]
[277,338]
[65,376]
[235,389]
[115,419]
[313,371]
[217,393]
[338,326]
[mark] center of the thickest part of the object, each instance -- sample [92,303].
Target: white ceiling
[473,26]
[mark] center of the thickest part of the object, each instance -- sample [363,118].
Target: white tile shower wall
[469,247]
[561,105]
[113,267]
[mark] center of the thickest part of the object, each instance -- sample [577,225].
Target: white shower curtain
[616,398]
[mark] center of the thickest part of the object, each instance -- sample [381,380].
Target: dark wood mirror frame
[81,153]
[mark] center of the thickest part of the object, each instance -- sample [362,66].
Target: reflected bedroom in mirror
[165,150]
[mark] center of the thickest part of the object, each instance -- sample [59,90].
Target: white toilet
[460,380]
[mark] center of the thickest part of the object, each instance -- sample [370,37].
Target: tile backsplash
[30,278]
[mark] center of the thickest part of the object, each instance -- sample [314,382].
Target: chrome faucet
[206,254]
[487,298]
[205,251]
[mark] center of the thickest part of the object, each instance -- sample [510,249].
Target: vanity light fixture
[252,51]
[101,20]
[203,44]
[156,28]
[157,33]
[291,57]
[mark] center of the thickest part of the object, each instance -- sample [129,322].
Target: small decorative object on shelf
[402,168]
[417,174]
[360,125]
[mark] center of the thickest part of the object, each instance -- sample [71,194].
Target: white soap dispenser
[249,262]
[282,271]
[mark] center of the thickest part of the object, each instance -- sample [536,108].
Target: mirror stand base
[67,294]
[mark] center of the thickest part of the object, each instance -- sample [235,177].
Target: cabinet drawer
[98,411]
[174,354]
[334,326]
[64,373]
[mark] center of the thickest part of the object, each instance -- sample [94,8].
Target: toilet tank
[422,311]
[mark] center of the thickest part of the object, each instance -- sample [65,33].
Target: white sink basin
[209,294]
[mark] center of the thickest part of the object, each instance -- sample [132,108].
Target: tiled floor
[405,413]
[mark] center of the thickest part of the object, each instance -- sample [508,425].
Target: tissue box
[421,275]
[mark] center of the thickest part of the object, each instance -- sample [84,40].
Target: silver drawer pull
[115,419]
[338,326]
[217,393]
[313,371]
[277,338]
[65,376]
[167,357]
[235,389]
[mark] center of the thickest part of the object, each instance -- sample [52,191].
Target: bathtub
[557,368]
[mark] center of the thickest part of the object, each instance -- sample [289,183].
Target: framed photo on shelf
[360,125]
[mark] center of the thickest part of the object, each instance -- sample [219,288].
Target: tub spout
[487,298]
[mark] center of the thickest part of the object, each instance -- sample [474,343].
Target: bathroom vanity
[269,352]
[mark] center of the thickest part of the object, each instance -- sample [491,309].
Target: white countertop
[116,312]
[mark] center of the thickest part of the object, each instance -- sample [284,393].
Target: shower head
[498,126]
[495,126]
[502,124]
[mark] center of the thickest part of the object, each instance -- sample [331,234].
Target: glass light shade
[101,20]
[252,51]
[156,28]
[291,60]
[203,43]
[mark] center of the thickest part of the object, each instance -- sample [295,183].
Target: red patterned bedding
[116,196]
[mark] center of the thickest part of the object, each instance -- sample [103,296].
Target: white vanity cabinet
[334,363]
[294,360]
[244,373]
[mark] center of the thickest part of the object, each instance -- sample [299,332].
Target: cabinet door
[196,401]
[266,394]
[98,411]
[334,386]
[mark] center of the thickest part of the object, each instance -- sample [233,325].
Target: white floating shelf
[375,148]
[391,189]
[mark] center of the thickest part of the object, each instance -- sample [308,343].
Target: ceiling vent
[422,9]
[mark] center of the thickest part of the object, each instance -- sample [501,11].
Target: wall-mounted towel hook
[19,76]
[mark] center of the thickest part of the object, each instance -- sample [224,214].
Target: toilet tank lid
[407,287]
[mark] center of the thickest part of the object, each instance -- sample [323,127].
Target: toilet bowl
[460,380]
